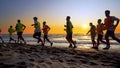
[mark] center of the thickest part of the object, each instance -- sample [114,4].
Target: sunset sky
[54,12]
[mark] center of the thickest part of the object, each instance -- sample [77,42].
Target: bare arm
[88,31]
[117,23]
[24,27]
[32,24]
[49,28]
[0,30]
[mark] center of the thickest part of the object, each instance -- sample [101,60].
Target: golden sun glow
[85,26]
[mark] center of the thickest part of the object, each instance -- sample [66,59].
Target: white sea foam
[58,38]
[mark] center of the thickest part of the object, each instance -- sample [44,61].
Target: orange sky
[54,12]
[55,29]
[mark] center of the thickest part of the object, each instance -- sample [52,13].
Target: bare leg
[107,41]
[68,39]
[115,38]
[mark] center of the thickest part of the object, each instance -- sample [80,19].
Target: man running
[1,36]
[69,31]
[100,27]
[20,28]
[37,31]
[46,29]
[11,31]
[110,27]
[93,34]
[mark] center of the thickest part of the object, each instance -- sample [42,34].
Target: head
[107,13]
[44,23]
[18,21]
[102,23]
[90,24]
[11,26]
[35,18]
[68,18]
[99,21]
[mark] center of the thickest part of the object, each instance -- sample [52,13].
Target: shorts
[19,34]
[69,35]
[110,33]
[37,34]
[45,36]
[0,36]
[93,36]
[100,36]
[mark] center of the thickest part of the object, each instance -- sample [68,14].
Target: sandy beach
[36,56]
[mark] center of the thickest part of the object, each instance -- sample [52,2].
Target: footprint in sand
[31,59]
[2,65]
[41,61]
[84,61]
[93,63]
[21,65]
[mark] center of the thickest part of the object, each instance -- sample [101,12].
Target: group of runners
[109,25]
[19,28]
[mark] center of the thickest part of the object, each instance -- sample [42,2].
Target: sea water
[59,38]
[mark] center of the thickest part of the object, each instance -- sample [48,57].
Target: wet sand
[36,56]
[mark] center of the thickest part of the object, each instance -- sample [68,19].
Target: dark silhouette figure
[11,31]
[100,27]
[46,29]
[93,34]
[37,31]
[69,32]
[110,27]
[20,28]
[1,36]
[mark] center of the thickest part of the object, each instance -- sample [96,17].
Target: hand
[64,29]
[32,24]
[65,26]
[115,26]
[23,29]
